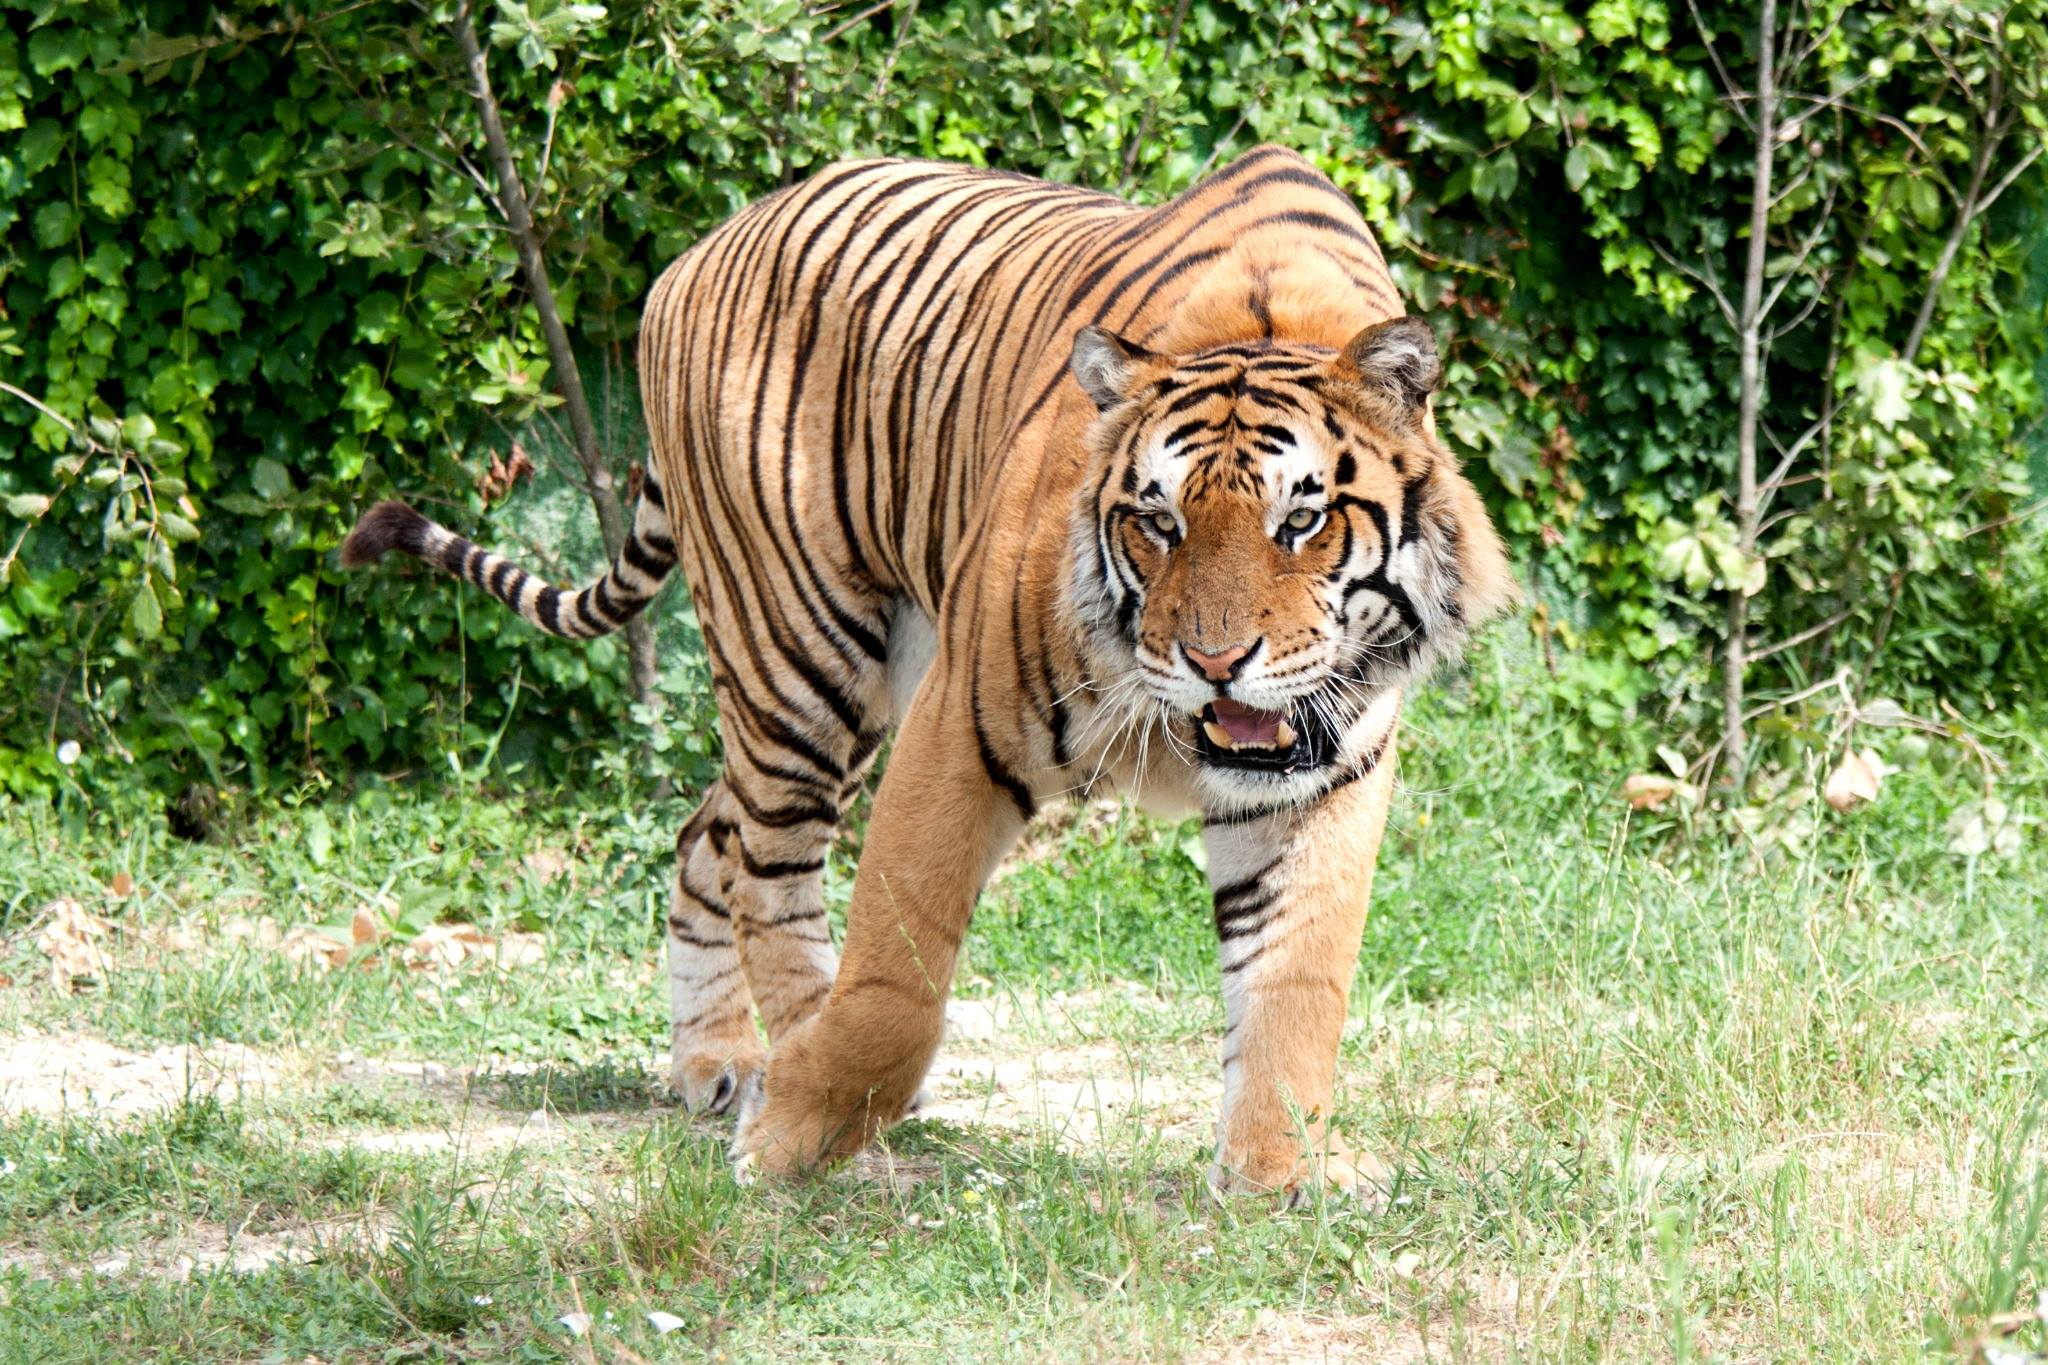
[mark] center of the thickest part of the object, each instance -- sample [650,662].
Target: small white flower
[1202,1253]
[575,1324]
[480,1300]
[663,1323]
[7,1167]
[67,752]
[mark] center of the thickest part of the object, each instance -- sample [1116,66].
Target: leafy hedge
[252,280]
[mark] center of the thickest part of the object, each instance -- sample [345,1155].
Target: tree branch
[1735,93]
[568,379]
[1701,278]
[1144,131]
[1966,214]
[1802,637]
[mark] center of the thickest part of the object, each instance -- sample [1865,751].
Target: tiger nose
[1220,666]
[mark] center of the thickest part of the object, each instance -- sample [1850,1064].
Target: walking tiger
[1072,496]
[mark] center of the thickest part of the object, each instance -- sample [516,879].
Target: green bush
[248,263]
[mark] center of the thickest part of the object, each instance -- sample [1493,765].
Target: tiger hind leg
[795,758]
[715,1050]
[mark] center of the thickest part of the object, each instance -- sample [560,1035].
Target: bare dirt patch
[1076,1094]
[207,1247]
[79,1074]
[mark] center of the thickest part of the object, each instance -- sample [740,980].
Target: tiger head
[1276,536]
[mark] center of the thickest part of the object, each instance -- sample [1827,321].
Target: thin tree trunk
[1734,663]
[597,473]
[1966,214]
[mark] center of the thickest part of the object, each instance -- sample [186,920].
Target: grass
[1652,1090]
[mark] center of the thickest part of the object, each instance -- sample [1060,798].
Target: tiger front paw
[1282,1168]
[717,1082]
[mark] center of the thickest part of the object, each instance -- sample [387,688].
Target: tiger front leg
[1290,902]
[852,1069]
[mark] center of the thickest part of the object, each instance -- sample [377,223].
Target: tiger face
[1279,540]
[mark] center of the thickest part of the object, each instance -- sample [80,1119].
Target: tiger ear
[1106,365]
[1398,357]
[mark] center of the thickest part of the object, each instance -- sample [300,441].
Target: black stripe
[999,772]
[637,555]
[773,871]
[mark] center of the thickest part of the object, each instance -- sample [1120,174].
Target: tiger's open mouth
[1229,734]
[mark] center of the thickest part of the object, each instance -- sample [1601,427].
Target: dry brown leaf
[545,864]
[1648,791]
[499,479]
[317,945]
[262,932]
[75,941]
[1855,779]
[443,947]
[365,930]
[518,949]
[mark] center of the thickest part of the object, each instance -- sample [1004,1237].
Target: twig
[2007,520]
[1144,131]
[46,410]
[840,30]
[1803,636]
[1822,221]
[1735,92]
[568,379]
[895,51]
[2005,181]
[1265,87]
[1840,679]
[1966,214]
[1702,278]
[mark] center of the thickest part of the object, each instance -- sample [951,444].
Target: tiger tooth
[1218,736]
[1283,735]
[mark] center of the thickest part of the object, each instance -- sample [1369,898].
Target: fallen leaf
[1855,779]
[663,1323]
[576,1323]
[1406,1264]
[262,931]
[545,864]
[317,945]
[1648,791]
[447,946]
[74,939]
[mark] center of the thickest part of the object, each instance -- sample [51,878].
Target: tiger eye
[1301,518]
[1164,524]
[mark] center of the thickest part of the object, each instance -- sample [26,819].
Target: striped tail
[635,576]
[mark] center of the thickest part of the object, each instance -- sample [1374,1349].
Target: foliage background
[249,260]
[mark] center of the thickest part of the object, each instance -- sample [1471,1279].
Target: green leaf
[56,223]
[145,614]
[27,506]
[1578,166]
[273,482]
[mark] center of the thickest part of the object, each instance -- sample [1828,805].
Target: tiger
[1067,497]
